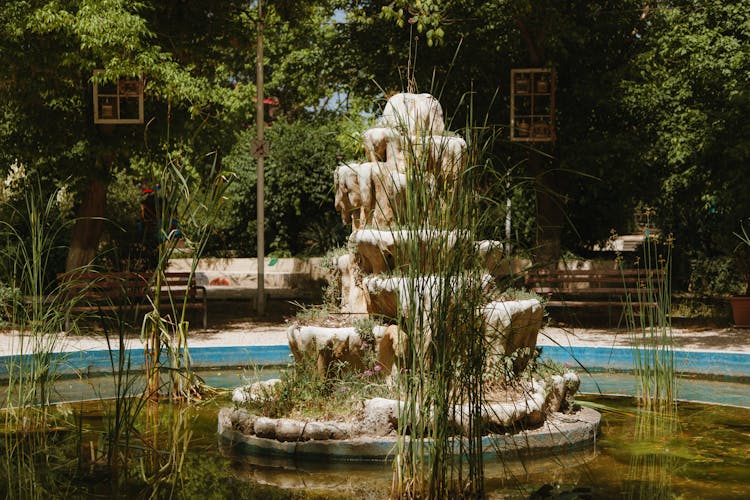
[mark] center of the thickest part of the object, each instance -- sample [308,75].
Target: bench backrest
[114,286]
[177,283]
[584,278]
[102,287]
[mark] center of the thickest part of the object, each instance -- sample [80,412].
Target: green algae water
[704,454]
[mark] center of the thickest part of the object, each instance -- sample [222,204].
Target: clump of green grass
[31,224]
[648,316]
[313,314]
[516,294]
[332,289]
[187,215]
[306,394]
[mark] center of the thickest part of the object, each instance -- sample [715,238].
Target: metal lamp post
[260,151]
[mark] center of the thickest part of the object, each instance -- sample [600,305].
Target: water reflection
[176,452]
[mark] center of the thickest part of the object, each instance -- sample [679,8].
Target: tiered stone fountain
[371,197]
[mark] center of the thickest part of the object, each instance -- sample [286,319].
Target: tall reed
[187,212]
[30,229]
[165,446]
[138,433]
[439,452]
[649,321]
[123,411]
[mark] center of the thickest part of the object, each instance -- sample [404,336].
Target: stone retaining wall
[228,278]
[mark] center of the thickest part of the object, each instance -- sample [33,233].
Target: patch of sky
[339,16]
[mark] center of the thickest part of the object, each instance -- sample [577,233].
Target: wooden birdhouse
[119,102]
[532,105]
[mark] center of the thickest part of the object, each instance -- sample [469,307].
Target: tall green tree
[689,94]
[49,53]
[584,182]
[198,62]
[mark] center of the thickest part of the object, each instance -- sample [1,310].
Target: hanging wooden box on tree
[532,105]
[119,102]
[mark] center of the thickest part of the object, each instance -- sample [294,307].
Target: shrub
[714,276]
[299,196]
[9,296]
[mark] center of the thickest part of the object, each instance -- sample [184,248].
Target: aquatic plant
[186,215]
[648,316]
[30,231]
[441,383]
[742,257]
[122,412]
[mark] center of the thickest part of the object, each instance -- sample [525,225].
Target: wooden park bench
[594,288]
[94,292]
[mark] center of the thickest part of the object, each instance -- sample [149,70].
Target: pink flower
[378,368]
[367,373]
[344,388]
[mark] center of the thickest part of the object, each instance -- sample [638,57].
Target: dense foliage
[689,94]
[651,105]
[198,62]
[300,218]
[464,46]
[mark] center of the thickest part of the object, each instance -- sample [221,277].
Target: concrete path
[250,332]
[239,334]
[689,339]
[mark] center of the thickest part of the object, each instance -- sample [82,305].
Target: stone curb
[559,432]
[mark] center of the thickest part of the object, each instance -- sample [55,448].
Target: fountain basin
[559,432]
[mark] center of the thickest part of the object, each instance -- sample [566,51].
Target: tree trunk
[84,241]
[550,215]
[549,211]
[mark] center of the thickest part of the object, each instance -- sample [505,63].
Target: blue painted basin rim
[202,357]
[709,363]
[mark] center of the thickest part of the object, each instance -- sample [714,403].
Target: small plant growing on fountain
[303,392]
[364,328]
[332,289]
[505,372]
[516,294]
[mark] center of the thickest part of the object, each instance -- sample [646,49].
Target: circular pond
[704,453]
